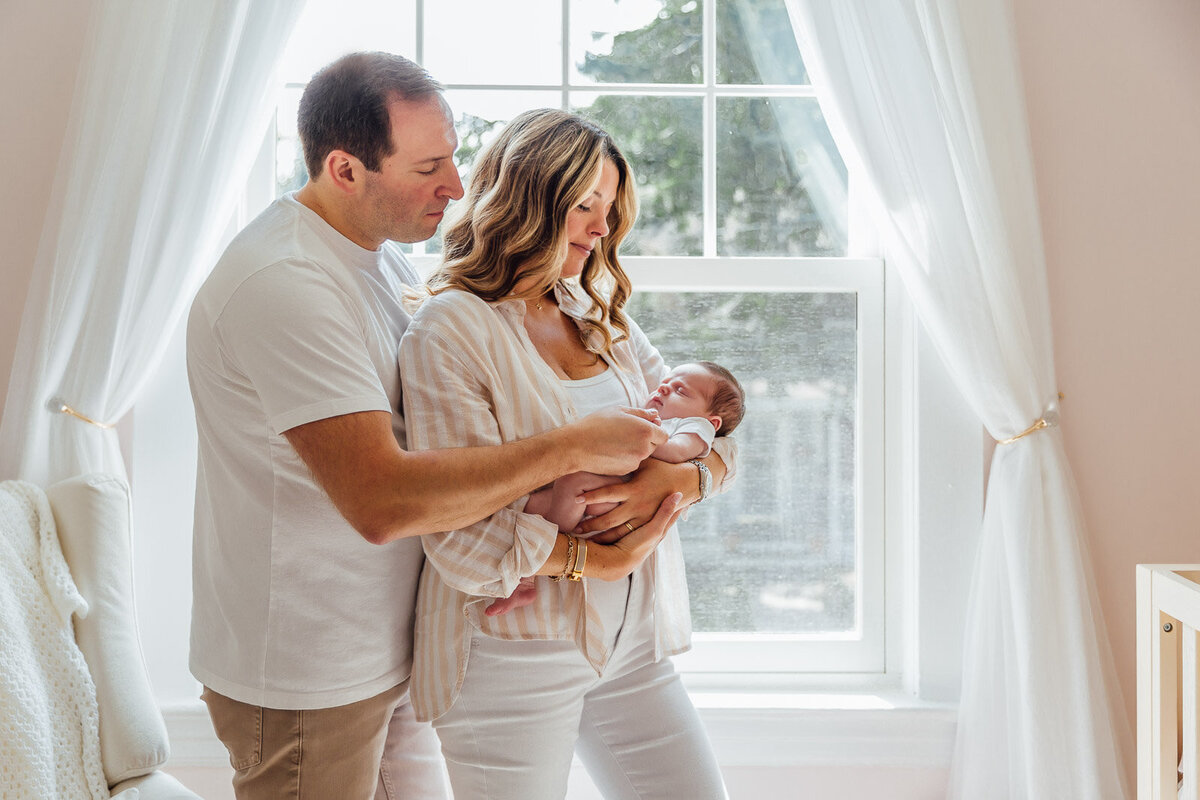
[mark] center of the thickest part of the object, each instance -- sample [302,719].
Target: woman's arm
[639,497]
[448,404]
[610,562]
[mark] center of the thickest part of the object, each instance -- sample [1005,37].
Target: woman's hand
[611,562]
[639,498]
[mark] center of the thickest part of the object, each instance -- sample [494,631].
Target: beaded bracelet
[569,563]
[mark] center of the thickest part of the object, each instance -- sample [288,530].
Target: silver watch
[705,479]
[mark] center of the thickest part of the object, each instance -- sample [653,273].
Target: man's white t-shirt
[292,608]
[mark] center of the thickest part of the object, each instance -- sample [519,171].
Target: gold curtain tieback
[1050,420]
[58,405]
[1041,424]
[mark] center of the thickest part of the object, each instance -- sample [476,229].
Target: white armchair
[92,516]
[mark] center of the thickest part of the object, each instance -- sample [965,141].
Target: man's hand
[614,441]
[639,498]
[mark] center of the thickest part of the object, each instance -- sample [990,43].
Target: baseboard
[921,737]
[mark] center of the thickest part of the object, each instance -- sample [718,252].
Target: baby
[696,403]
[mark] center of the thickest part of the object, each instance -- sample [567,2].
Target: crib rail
[1168,618]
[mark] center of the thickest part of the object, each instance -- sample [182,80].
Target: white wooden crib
[1168,622]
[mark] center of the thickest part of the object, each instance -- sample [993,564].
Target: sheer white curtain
[171,103]
[924,97]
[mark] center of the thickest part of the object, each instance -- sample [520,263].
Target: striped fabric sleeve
[448,403]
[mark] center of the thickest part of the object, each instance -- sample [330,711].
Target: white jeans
[525,706]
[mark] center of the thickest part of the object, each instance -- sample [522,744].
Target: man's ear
[345,171]
[716,421]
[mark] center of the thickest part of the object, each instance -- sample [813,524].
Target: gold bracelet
[569,563]
[580,560]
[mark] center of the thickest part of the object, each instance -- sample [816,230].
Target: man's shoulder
[275,250]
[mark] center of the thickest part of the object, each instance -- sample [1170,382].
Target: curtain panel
[171,104]
[923,98]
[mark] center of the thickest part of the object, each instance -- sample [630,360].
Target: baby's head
[701,389]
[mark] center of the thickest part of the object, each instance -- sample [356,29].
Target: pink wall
[40,46]
[1113,93]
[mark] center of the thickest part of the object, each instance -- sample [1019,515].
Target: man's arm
[388,493]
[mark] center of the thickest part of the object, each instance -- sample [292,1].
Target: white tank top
[588,395]
[597,392]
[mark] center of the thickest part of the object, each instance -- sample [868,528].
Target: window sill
[789,729]
[747,729]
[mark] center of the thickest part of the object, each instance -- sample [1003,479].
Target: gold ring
[629,525]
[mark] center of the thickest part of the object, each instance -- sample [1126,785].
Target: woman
[525,331]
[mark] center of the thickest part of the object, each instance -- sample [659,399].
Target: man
[302,626]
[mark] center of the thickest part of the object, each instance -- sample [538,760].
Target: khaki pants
[374,748]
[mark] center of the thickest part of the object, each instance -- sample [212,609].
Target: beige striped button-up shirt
[472,377]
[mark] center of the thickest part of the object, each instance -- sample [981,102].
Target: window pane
[661,138]
[482,41]
[755,44]
[321,34]
[781,183]
[775,554]
[290,173]
[478,118]
[636,41]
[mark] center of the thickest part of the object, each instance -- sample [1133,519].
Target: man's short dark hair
[345,107]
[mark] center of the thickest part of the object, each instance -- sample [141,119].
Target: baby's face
[686,392]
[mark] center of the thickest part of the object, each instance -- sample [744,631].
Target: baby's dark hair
[728,400]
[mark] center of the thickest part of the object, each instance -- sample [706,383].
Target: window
[739,256]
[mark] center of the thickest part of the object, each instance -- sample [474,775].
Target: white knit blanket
[49,722]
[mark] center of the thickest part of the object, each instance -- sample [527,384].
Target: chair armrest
[93,516]
[157,785]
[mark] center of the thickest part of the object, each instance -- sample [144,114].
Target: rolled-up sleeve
[448,402]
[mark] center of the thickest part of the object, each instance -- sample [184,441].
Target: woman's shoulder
[451,307]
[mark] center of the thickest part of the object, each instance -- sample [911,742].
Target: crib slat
[1168,619]
[1188,676]
[1167,701]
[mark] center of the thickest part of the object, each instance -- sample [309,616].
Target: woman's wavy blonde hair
[512,223]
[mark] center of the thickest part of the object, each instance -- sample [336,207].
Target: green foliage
[668,50]
[764,145]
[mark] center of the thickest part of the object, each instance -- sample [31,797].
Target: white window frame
[918,528]
[735,657]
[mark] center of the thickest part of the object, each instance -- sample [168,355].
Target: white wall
[39,54]
[1113,90]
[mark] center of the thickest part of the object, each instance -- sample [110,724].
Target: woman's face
[587,222]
